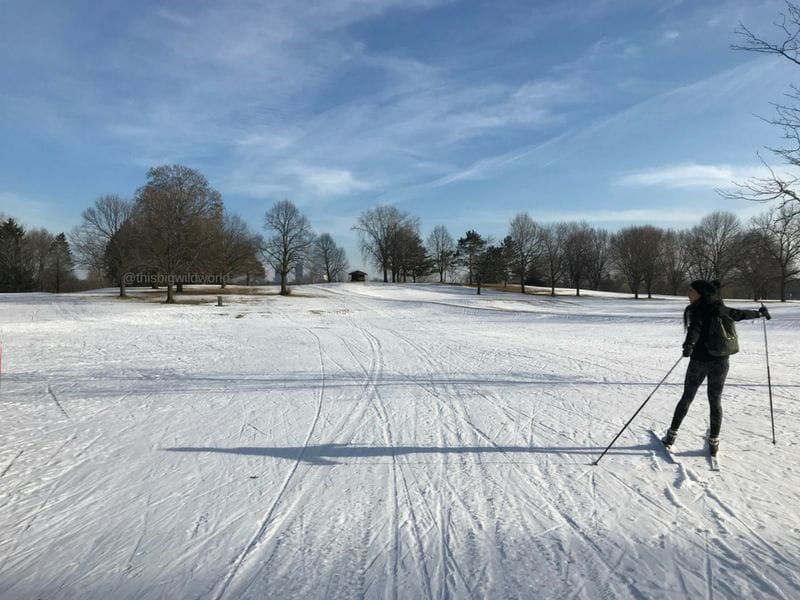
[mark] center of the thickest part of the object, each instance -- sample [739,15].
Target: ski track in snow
[261,532]
[385,441]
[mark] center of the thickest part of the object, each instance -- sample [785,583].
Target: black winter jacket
[700,314]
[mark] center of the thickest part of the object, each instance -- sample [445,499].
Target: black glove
[764,312]
[687,351]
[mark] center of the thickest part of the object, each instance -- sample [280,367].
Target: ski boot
[669,439]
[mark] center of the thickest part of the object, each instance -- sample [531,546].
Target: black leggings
[716,371]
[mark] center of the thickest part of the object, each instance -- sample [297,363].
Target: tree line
[761,256]
[174,232]
[177,231]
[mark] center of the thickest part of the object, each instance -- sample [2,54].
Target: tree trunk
[284,285]
[122,288]
[170,297]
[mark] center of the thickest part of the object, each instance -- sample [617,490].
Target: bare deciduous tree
[525,235]
[577,253]
[782,187]
[629,245]
[442,249]
[599,258]
[329,258]
[675,260]
[176,215]
[239,247]
[756,267]
[377,231]
[552,258]
[39,244]
[290,240]
[713,247]
[409,256]
[780,231]
[99,240]
[651,256]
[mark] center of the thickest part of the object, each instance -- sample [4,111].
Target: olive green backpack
[721,339]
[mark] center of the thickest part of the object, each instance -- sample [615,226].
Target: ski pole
[769,379]
[638,410]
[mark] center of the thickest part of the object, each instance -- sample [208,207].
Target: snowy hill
[382,441]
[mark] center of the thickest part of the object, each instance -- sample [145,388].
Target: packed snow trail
[385,441]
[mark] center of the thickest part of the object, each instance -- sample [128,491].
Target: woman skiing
[707,360]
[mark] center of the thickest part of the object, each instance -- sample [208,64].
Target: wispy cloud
[669,36]
[492,164]
[696,97]
[303,181]
[690,175]
[323,181]
[661,217]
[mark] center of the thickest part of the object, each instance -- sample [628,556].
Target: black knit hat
[705,288]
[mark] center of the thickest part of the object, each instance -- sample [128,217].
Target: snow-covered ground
[381,441]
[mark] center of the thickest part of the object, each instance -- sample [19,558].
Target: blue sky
[462,113]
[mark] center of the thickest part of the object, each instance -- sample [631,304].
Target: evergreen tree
[489,266]
[468,250]
[61,264]
[16,274]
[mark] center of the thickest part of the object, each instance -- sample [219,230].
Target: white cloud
[325,182]
[692,175]
[293,179]
[670,36]
[660,217]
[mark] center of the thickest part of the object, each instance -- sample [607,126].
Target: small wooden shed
[358,276]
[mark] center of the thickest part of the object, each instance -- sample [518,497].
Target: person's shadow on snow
[333,454]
